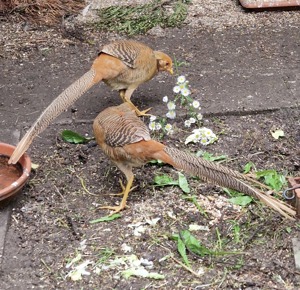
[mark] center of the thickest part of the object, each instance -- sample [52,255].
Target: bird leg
[123,189]
[125,193]
[137,111]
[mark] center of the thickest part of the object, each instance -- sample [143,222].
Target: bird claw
[115,209]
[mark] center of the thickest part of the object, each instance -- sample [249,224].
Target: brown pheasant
[123,65]
[125,139]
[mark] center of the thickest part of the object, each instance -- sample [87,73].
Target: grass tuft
[139,19]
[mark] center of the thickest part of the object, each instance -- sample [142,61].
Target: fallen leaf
[106,218]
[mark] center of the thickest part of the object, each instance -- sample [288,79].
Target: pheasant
[126,140]
[123,65]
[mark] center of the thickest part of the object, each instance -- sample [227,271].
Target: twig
[178,262]
[47,267]
[84,187]
[184,266]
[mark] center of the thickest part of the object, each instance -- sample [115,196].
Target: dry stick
[84,187]
[184,266]
[178,262]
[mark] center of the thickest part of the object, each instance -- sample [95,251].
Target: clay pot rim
[269,3]
[25,162]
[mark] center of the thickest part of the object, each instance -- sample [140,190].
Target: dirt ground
[50,222]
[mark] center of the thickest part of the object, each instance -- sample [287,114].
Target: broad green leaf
[248,167]
[272,178]
[183,183]
[231,192]
[107,218]
[73,137]
[241,200]
[193,245]
[182,251]
[277,134]
[163,180]
[209,156]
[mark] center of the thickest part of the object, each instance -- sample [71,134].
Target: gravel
[212,15]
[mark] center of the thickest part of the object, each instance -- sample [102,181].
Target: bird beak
[171,71]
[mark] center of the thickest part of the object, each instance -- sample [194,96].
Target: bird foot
[115,209]
[142,113]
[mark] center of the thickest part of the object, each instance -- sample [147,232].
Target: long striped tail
[222,176]
[58,105]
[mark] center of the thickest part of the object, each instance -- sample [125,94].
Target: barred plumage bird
[123,65]
[126,140]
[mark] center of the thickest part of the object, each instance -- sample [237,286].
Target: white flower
[192,138]
[196,104]
[203,135]
[171,115]
[152,118]
[152,126]
[165,99]
[187,123]
[157,126]
[185,92]
[181,79]
[192,120]
[199,116]
[176,89]
[204,141]
[182,86]
[169,128]
[171,105]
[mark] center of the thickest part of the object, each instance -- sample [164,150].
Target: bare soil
[51,218]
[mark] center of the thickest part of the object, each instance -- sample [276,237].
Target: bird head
[164,62]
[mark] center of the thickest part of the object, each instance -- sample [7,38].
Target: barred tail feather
[58,105]
[224,176]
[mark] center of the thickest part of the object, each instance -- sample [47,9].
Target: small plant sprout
[182,99]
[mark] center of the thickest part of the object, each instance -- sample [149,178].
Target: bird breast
[133,76]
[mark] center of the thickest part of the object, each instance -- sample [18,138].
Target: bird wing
[125,50]
[122,127]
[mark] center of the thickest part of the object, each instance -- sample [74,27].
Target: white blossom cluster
[203,135]
[182,92]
